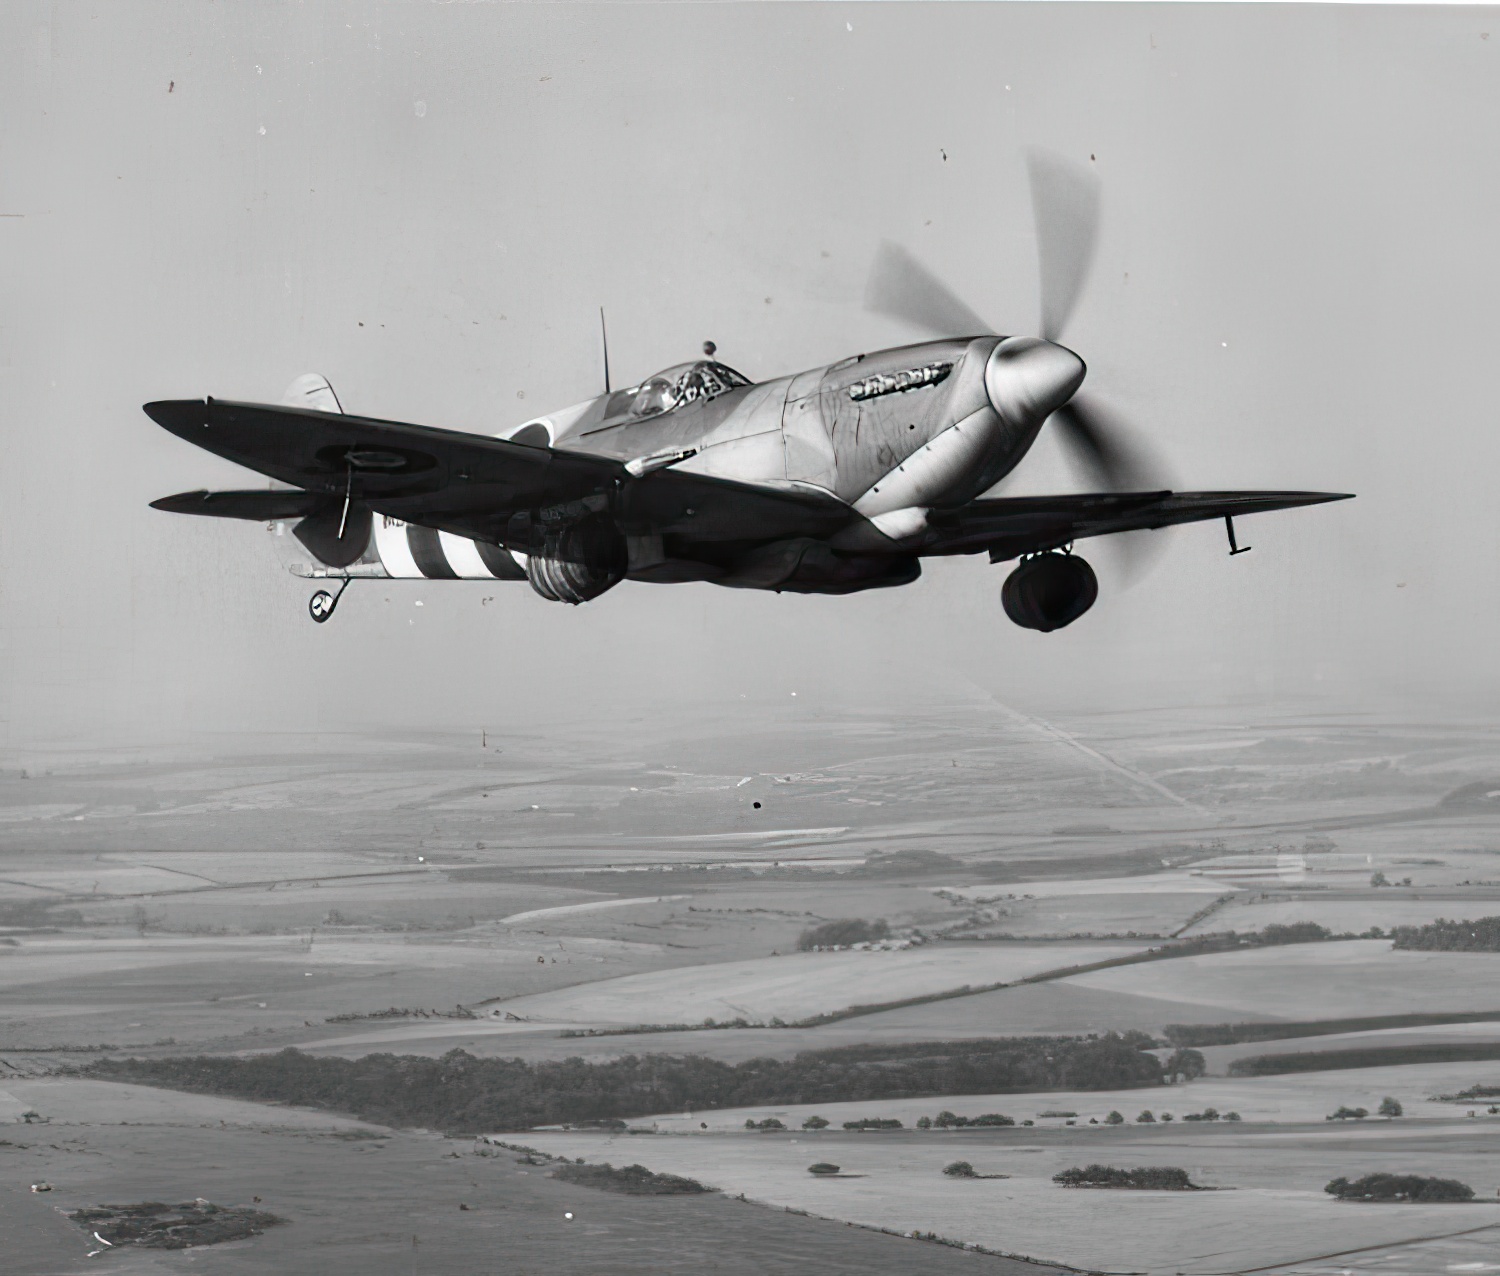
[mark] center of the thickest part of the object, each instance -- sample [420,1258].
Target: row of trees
[1482,936]
[461,1093]
[1274,934]
[1267,1065]
[946,1120]
[1388,1108]
[1145,1177]
[1228,1034]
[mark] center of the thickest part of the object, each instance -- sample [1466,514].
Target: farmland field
[1299,1099]
[1040,1009]
[357,1205]
[1049,888]
[1458,1034]
[1275,1214]
[1310,981]
[1086,916]
[607,882]
[800,985]
[104,987]
[1345,915]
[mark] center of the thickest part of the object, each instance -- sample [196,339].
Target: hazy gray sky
[1295,287]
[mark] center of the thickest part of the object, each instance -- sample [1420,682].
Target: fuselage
[891,435]
[905,428]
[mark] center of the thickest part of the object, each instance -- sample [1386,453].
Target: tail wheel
[320,606]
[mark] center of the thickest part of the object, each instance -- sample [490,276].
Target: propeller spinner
[1065,200]
[1065,204]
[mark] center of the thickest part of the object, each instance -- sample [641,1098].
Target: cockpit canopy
[684,384]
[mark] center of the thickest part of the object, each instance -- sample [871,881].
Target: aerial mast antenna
[604,338]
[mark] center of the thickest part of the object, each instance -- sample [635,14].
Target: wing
[1010,526]
[258,506]
[469,484]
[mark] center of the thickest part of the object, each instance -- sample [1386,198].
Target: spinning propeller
[1065,205]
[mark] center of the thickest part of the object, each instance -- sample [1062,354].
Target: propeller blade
[901,287]
[1106,451]
[1135,554]
[1113,460]
[1065,202]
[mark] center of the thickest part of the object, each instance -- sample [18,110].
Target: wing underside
[257,506]
[486,489]
[1010,526]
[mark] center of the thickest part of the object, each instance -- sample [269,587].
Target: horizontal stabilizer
[260,507]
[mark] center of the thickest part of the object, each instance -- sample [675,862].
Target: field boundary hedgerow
[1232,1034]
[1271,1065]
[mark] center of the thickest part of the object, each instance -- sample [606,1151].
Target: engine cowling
[1049,591]
[577,561]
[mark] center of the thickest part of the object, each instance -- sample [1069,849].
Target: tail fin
[312,390]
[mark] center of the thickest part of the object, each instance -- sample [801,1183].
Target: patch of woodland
[402,1012]
[459,1093]
[1144,1178]
[1472,1093]
[633,1180]
[1409,1188]
[965,1170]
[154,1225]
[1443,936]
[843,932]
[946,1120]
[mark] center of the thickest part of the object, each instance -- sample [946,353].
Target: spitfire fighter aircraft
[837,479]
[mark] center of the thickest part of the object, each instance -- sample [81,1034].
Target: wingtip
[181,503]
[180,416]
[1294,499]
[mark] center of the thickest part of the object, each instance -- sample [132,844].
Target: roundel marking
[364,459]
[339,457]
